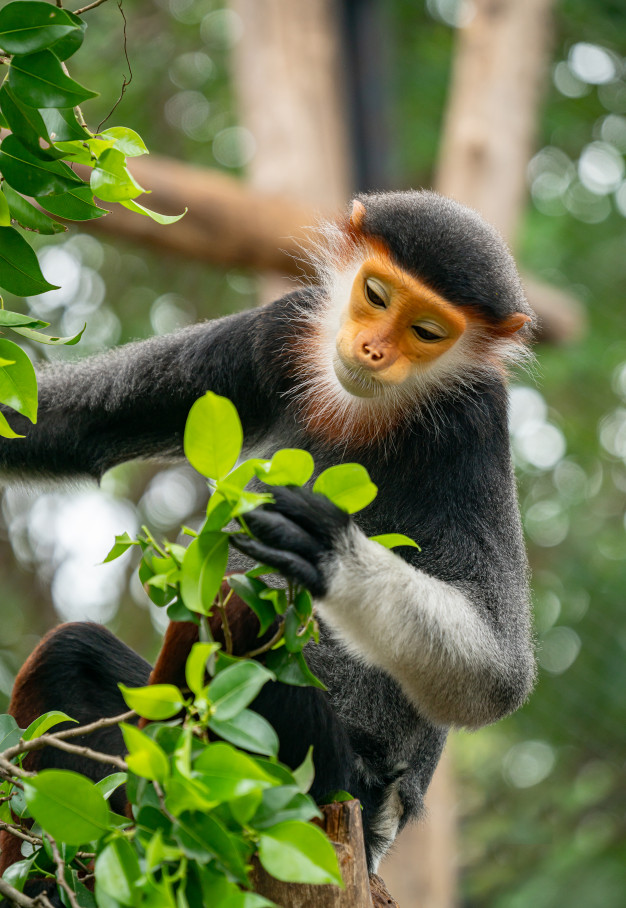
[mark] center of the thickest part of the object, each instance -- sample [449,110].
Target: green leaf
[19,268]
[145,758]
[41,725]
[48,339]
[202,835]
[10,732]
[336,797]
[213,436]
[28,216]
[289,466]
[286,803]
[67,805]
[62,125]
[117,871]
[27,26]
[391,540]
[39,81]
[203,570]
[300,853]
[5,429]
[155,701]
[123,542]
[25,172]
[347,485]
[125,140]
[110,783]
[297,632]
[111,180]
[248,589]
[5,213]
[237,686]
[25,122]
[65,47]
[159,218]
[18,384]
[195,667]
[227,773]
[10,319]
[305,772]
[75,204]
[248,730]
[291,668]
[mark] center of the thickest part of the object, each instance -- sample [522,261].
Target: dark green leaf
[177,611]
[297,633]
[62,124]
[38,80]
[19,268]
[67,805]
[336,797]
[203,569]
[28,25]
[27,215]
[237,686]
[156,701]
[25,122]
[111,180]
[10,319]
[18,384]
[300,853]
[201,836]
[76,204]
[291,668]
[248,589]
[248,730]
[117,871]
[27,173]
[65,47]
[8,730]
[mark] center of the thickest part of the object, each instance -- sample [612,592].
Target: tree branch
[24,901]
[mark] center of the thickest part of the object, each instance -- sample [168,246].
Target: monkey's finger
[310,510]
[278,531]
[291,565]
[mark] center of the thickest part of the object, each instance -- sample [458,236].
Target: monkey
[397,358]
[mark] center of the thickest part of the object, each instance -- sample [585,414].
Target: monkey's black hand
[296,534]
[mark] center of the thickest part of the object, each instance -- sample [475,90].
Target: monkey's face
[393,328]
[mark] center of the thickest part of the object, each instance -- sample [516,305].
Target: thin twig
[60,874]
[54,739]
[95,755]
[161,796]
[270,643]
[10,768]
[94,726]
[221,607]
[85,9]
[18,833]
[24,901]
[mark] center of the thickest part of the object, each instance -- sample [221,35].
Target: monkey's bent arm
[427,634]
[133,401]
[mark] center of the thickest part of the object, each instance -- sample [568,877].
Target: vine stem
[85,9]
[270,643]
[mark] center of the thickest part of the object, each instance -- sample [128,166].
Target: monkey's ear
[358,213]
[513,323]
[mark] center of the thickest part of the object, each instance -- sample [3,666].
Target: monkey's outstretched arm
[133,401]
[438,641]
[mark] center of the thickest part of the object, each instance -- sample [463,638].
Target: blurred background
[263,115]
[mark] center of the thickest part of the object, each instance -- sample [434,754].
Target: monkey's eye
[375,292]
[429,332]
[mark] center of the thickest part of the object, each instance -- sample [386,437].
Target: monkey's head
[421,296]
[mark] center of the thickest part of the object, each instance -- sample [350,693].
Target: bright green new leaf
[28,216]
[213,436]
[163,219]
[347,485]
[67,805]
[391,540]
[10,319]
[39,81]
[117,871]
[237,686]
[145,758]
[202,571]
[41,725]
[122,543]
[156,701]
[5,213]
[111,180]
[110,783]
[126,140]
[195,667]
[300,853]
[18,384]
[289,466]
[48,339]
[5,429]
[76,204]
[27,26]
[19,268]
[27,173]
[305,772]
[248,730]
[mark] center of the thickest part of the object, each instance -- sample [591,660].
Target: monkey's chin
[356,382]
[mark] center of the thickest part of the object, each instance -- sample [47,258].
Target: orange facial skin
[379,342]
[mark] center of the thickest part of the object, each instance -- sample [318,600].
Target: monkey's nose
[375,354]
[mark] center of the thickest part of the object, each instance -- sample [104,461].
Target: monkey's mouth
[355,380]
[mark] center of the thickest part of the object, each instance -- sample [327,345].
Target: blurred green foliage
[542,794]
